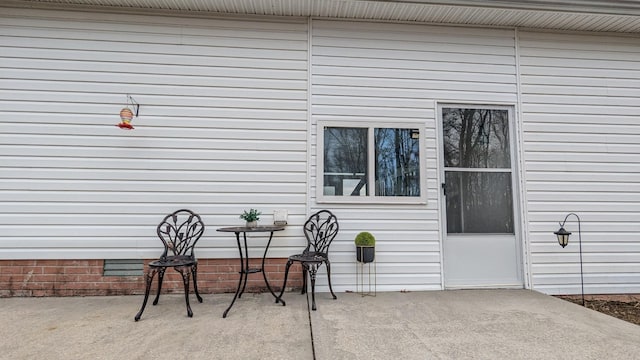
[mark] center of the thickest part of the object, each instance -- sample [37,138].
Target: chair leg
[160,278]
[313,269]
[186,273]
[304,280]
[328,264]
[194,272]
[148,280]
[284,284]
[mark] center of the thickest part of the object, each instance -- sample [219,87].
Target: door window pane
[479,202]
[345,161]
[476,138]
[397,154]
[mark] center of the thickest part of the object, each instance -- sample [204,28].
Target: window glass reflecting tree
[397,162]
[479,202]
[345,161]
[476,138]
[477,170]
[357,156]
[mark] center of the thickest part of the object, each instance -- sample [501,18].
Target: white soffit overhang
[580,15]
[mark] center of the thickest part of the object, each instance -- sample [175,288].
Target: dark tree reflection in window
[345,161]
[479,202]
[397,154]
[477,170]
[476,138]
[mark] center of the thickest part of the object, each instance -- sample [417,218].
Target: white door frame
[515,180]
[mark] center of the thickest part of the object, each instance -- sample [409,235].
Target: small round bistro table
[244,258]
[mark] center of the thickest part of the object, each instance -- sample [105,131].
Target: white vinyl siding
[368,72]
[222,128]
[582,152]
[229,107]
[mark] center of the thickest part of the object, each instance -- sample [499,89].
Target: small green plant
[365,239]
[251,215]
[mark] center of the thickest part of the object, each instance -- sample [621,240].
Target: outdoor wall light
[563,240]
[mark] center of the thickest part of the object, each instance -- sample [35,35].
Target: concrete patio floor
[461,324]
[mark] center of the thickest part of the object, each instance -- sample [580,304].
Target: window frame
[371,163]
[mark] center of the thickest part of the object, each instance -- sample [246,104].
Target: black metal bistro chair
[179,233]
[320,230]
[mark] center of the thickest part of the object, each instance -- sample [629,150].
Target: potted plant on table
[251,217]
[365,247]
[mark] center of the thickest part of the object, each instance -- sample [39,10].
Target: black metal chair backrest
[179,232]
[320,230]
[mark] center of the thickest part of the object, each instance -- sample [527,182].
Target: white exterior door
[480,245]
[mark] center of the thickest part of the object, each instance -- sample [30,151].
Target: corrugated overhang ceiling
[581,15]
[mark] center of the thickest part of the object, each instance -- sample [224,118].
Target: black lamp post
[563,240]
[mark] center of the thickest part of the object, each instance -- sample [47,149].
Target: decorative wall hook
[126,114]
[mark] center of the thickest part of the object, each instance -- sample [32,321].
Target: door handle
[444,189]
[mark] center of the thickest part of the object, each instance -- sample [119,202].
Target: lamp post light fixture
[563,236]
[563,240]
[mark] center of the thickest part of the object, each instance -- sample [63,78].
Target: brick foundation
[85,278]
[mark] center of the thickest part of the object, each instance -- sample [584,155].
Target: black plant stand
[366,281]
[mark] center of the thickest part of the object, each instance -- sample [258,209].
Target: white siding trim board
[523,192]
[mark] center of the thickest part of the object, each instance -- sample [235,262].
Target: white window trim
[370,199]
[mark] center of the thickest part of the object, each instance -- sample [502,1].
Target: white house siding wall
[222,128]
[580,106]
[368,72]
